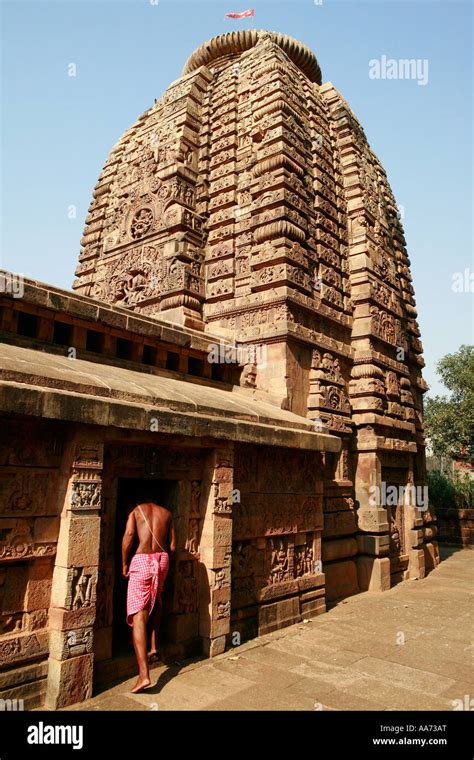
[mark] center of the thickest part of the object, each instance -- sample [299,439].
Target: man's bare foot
[154,655]
[142,683]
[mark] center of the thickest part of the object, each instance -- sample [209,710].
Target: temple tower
[247,202]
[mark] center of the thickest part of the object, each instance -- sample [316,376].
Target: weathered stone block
[27,646]
[416,564]
[341,579]
[339,523]
[373,573]
[219,626]
[64,620]
[80,545]
[213,647]
[47,529]
[277,615]
[415,537]
[217,532]
[32,693]
[345,547]
[10,679]
[307,582]
[35,620]
[312,606]
[102,644]
[373,520]
[431,552]
[278,590]
[183,627]
[69,681]
[375,545]
[15,589]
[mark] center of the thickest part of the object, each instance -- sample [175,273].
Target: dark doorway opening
[131,491]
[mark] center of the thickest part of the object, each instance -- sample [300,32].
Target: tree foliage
[450,490]
[449,420]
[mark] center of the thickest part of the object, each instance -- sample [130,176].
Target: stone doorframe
[74,593]
[215,549]
[373,562]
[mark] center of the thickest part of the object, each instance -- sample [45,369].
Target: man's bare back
[161,523]
[159,520]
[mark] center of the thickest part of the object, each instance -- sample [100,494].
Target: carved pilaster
[216,550]
[73,596]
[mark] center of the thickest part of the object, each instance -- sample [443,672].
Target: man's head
[148,497]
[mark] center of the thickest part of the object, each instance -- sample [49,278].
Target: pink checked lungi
[146,580]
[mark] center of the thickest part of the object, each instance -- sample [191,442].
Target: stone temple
[241,340]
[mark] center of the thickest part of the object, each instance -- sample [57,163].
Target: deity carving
[141,223]
[83,589]
[279,561]
[187,587]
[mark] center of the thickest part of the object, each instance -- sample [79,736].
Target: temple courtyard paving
[410,648]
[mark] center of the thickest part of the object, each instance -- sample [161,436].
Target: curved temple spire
[234,43]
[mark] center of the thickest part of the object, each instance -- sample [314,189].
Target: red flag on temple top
[244,14]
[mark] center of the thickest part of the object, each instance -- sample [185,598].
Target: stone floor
[410,648]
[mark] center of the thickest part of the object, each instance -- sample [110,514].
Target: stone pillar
[216,550]
[73,596]
[414,533]
[373,564]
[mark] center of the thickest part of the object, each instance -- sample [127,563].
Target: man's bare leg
[155,622]
[139,644]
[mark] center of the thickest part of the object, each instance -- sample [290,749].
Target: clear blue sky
[58,130]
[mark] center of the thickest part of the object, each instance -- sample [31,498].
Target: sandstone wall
[31,483]
[277,576]
[456,526]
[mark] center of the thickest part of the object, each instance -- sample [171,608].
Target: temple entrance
[130,492]
[395,481]
[174,477]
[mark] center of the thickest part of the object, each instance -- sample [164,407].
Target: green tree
[449,420]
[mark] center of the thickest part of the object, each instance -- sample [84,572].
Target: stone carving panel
[17,541]
[28,492]
[187,589]
[280,560]
[104,605]
[83,588]
[304,562]
[77,642]
[28,646]
[192,540]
